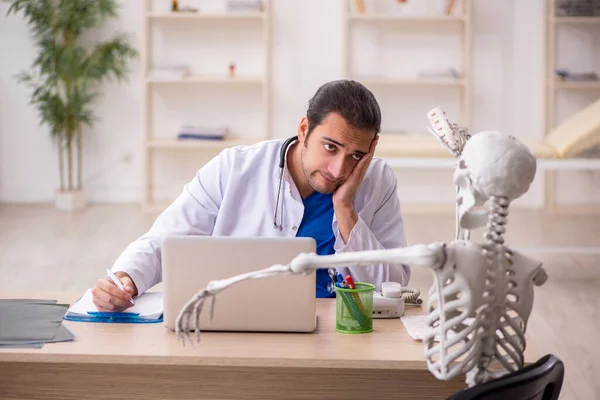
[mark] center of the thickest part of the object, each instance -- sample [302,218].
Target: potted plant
[66,75]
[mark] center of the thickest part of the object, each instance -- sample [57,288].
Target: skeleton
[482,294]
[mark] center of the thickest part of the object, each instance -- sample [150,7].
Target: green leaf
[66,74]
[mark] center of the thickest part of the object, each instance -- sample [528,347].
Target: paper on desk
[30,321]
[62,335]
[24,345]
[36,301]
[416,326]
[149,306]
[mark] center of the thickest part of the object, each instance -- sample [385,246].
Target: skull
[491,164]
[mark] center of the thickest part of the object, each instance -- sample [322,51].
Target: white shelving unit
[576,20]
[200,15]
[552,24]
[412,82]
[151,143]
[198,144]
[553,86]
[351,17]
[259,80]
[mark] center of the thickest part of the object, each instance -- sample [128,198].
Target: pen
[351,284]
[117,282]
[355,307]
[337,281]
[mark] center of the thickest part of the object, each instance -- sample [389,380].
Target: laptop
[274,304]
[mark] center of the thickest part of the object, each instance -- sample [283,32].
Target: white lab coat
[234,194]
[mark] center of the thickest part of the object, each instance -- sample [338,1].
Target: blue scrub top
[316,223]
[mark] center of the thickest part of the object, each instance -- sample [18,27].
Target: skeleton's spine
[498,257]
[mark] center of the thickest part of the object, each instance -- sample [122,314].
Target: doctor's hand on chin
[108,297]
[344,194]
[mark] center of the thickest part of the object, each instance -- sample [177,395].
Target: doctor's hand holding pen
[115,292]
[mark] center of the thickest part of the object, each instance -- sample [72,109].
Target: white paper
[149,305]
[416,326]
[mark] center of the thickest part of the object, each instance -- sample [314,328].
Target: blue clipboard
[114,317]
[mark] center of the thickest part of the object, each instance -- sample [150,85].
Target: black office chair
[540,381]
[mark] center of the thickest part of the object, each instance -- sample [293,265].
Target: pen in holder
[354,308]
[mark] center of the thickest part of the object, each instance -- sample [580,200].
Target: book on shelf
[244,6]
[191,132]
[577,8]
[566,75]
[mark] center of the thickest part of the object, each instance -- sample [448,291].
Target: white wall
[28,160]
[507,95]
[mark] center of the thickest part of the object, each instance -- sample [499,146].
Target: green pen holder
[354,308]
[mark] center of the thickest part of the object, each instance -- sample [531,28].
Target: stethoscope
[282,154]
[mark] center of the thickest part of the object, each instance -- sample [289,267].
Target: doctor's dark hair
[348,98]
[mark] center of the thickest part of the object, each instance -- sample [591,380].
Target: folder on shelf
[148,308]
[244,5]
[190,132]
[193,136]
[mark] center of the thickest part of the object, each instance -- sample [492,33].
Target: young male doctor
[331,190]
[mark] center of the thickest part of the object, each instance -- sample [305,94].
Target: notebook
[148,308]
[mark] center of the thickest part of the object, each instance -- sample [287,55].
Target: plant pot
[70,200]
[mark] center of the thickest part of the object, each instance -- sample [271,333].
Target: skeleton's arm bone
[423,255]
[432,256]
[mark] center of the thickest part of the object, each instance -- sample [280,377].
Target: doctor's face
[331,151]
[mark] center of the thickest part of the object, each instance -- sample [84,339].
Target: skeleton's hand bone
[432,256]
[193,308]
[450,135]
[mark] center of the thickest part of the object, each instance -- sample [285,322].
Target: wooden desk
[145,361]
